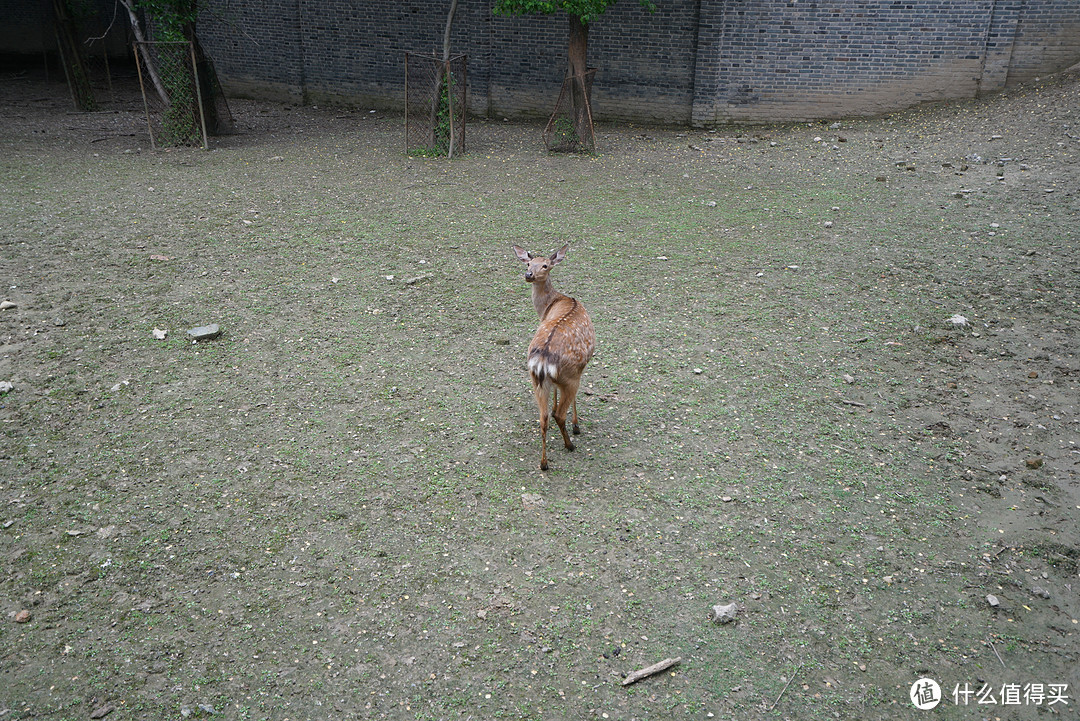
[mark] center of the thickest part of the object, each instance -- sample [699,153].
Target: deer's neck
[543,295]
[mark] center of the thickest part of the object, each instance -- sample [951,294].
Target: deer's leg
[569,391]
[576,429]
[542,404]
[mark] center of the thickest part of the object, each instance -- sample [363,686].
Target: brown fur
[561,348]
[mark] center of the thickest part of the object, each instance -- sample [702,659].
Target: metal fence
[172,93]
[435,102]
[570,128]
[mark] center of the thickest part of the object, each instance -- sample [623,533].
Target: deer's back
[565,341]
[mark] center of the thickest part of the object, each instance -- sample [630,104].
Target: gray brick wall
[693,61]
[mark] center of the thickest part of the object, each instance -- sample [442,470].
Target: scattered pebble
[993,600]
[1040,592]
[958,320]
[159,334]
[8,305]
[22,616]
[6,387]
[1034,463]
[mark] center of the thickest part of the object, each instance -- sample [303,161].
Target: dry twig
[651,670]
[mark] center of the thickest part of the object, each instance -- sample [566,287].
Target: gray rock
[205,332]
[722,613]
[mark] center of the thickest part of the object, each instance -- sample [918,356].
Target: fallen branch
[651,670]
[851,403]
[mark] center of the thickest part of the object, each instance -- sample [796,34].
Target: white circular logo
[925,694]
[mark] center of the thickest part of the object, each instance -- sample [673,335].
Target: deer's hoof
[569,446]
[577,430]
[543,465]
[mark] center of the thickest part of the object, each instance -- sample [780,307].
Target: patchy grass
[334,510]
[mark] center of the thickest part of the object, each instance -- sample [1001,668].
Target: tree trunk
[72,58]
[148,61]
[580,88]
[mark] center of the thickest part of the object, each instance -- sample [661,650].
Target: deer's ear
[523,255]
[559,254]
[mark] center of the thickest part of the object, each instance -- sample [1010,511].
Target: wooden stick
[784,690]
[997,654]
[651,670]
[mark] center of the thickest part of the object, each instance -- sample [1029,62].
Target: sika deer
[561,348]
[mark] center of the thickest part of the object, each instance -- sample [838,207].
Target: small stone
[22,616]
[1033,374]
[712,204]
[993,600]
[205,332]
[722,613]
[502,341]
[159,334]
[418,279]
[848,379]
[698,371]
[1040,592]
[827,223]
[1034,463]
[8,305]
[59,322]
[6,387]
[102,711]
[958,320]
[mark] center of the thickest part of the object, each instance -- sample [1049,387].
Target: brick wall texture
[700,62]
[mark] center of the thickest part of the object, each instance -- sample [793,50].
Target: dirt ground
[836,385]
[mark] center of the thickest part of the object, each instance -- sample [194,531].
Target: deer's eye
[544,266]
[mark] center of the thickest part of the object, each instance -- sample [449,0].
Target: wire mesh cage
[172,93]
[435,101]
[570,128]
